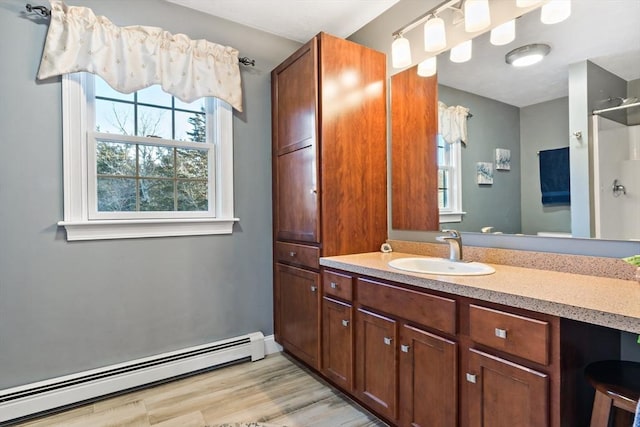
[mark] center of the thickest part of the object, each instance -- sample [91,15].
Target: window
[144,164]
[449,181]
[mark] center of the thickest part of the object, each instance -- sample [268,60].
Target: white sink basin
[441,266]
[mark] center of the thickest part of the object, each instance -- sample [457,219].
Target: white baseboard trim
[29,399]
[271,346]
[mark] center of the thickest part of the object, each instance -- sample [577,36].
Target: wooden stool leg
[622,418]
[601,410]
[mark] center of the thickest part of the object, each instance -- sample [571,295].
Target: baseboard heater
[22,401]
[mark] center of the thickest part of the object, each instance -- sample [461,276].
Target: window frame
[454,213]
[77,96]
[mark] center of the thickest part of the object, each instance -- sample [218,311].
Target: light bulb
[461,52]
[428,67]
[476,15]
[400,53]
[555,11]
[504,34]
[435,37]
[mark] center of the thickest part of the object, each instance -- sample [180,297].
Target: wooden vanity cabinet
[329,176]
[426,358]
[404,372]
[337,329]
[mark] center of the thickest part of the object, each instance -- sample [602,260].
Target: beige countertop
[614,303]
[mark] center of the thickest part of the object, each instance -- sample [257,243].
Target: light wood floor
[274,390]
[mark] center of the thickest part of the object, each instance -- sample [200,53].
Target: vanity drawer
[422,308]
[518,335]
[292,253]
[337,284]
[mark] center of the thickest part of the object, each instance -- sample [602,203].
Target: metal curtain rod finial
[44,11]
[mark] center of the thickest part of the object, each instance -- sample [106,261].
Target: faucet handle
[453,233]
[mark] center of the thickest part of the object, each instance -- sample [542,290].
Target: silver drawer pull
[501,333]
[388,340]
[471,378]
[404,348]
[292,254]
[334,285]
[345,323]
[314,288]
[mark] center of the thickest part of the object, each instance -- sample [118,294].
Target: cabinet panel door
[505,394]
[337,342]
[296,200]
[298,311]
[428,379]
[376,362]
[294,88]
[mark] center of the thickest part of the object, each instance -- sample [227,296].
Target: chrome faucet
[454,239]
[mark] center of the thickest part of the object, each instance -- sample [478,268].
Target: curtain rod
[46,12]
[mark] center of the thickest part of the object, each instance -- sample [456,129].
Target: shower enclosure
[616,154]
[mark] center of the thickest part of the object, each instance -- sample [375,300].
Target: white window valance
[452,123]
[135,57]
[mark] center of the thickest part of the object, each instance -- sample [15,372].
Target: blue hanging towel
[554,176]
[636,419]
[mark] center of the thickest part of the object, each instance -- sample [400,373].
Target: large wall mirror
[522,112]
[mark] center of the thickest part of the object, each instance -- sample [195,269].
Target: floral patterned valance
[135,57]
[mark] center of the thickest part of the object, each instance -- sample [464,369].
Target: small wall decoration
[503,159]
[484,172]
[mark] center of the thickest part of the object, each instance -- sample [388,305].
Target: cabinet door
[428,379]
[294,127]
[296,199]
[505,394]
[337,342]
[298,312]
[376,362]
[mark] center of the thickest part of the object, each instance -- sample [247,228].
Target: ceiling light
[527,3]
[555,11]
[504,34]
[527,55]
[476,15]
[400,52]
[461,52]
[435,38]
[428,67]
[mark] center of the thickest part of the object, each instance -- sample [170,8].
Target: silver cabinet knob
[314,288]
[388,340]
[471,378]
[345,323]
[292,254]
[501,333]
[333,285]
[404,348]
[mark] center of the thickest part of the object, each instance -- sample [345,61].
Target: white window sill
[451,217]
[132,229]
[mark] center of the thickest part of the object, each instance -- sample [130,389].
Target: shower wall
[616,148]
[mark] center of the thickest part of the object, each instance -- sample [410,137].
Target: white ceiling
[298,20]
[607,32]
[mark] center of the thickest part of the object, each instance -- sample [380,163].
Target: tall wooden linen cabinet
[329,175]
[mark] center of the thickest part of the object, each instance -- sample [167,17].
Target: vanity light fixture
[461,52]
[503,34]
[434,34]
[555,11]
[527,55]
[435,37]
[428,67]
[400,52]
[476,15]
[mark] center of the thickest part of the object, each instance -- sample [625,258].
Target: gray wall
[543,126]
[493,125]
[67,307]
